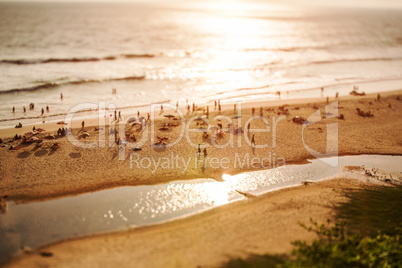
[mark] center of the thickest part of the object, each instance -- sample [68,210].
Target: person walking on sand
[47,108]
[13,109]
[83,124]
[43,111]
[219,108]
[215,105]
[252,140]
[115,115]
[25,110]
[205,152]
[322,92]
[120,115]
[61,96]
[199,150]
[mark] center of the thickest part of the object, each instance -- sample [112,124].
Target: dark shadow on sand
[24,154]
[75,155]
[41,153]
[158,148]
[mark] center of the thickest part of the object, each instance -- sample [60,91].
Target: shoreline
[9,132]
[99,168]
[370,87]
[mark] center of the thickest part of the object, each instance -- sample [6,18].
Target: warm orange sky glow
[221,4]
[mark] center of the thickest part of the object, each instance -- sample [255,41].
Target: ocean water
[152,53]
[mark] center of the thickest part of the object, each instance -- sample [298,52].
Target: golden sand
[257,225]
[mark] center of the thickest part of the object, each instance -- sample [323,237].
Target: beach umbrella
[130,120]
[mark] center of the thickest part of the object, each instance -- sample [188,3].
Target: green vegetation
[371,210]
[335,248]
[367,233]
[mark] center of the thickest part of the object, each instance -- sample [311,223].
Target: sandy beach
[34,173]
[258,225]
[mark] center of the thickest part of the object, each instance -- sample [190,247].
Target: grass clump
[367,233]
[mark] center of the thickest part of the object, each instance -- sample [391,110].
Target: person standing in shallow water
[83,124]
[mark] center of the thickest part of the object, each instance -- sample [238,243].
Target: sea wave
[77,82]
[73,60]
[285,49]
[357,60]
